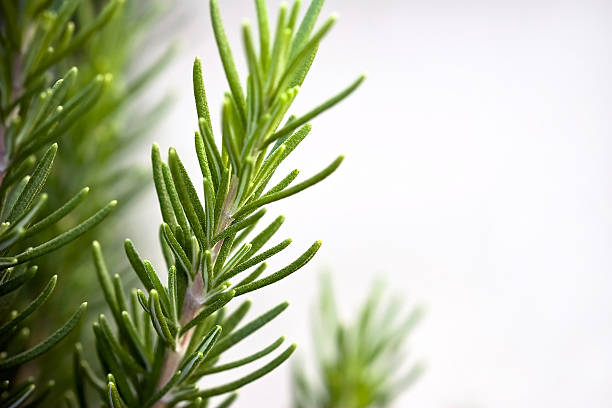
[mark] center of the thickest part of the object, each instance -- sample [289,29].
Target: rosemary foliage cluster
[42,40]
[93,152]
[36,37]
[358,363]
[170,337]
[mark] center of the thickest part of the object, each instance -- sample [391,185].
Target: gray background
[476,180]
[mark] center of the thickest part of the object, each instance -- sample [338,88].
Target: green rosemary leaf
[239,239]
[67,236]
[135,340]
[159,288]
[119,375]
[178,251]
[199,91]
[226,247]
[16,391]
[35,184]
[290,127]
[21,395]
[41,395]
[281,274]
[222,193]
[230,139]
[6,261]
[202,157]
[85,369]
[264,236]
[20,223]
[165,204]
[14,173]
[58,214]
[137,265]
[284,183]
[187,195]
[248,329]
[279,111]
[202,349]
[46,344]
[235,259]
[14,195]
[295,9]
[207,270]
[301,58]
[269,198]
[303,69]
[58,91]
[124,356]
[105,281]
[67,35]
[226,403]
[143,300]
[159,320]
[174,380]
[233,320]
[172,294]
[243,180]
[8,239]
[252,276]
[44,107]
[114,399]
[243,361]
[174,198]
[234,385]
[264,32]
[212,153]
[166,250]
[211,214]
[256,76]
[306,26]
[134,309]
[18,281]
[36,303]
[255,260]
[269,166]
[119,294]
[228,61]
[79,375]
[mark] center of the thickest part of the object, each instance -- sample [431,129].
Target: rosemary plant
[358,363]
[168,337]
[35,38]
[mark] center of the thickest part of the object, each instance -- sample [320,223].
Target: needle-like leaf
[46,344]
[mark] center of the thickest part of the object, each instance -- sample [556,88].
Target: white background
[476,179]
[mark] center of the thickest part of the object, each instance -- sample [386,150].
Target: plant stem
[193,305]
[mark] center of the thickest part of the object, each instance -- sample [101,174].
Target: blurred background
[476,182]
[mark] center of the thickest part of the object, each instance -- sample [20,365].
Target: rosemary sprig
[179,331]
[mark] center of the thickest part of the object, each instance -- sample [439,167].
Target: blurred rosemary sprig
[96,151]
[36,112]
[358,363]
